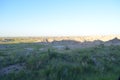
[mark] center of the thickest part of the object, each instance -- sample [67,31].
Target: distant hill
[78,38]
[62,38]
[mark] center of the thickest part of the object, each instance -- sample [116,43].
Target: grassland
[36,61]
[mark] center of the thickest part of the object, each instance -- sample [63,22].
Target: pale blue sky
[59,17]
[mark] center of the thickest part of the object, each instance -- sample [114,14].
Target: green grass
[96,63]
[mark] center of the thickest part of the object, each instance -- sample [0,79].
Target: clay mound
[115,40]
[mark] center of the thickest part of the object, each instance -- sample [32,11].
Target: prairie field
[59,59]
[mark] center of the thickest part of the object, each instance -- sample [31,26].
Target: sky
[59,17]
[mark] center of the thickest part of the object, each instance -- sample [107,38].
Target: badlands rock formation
[78,38]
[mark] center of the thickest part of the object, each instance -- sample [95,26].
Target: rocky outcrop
[78,38]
